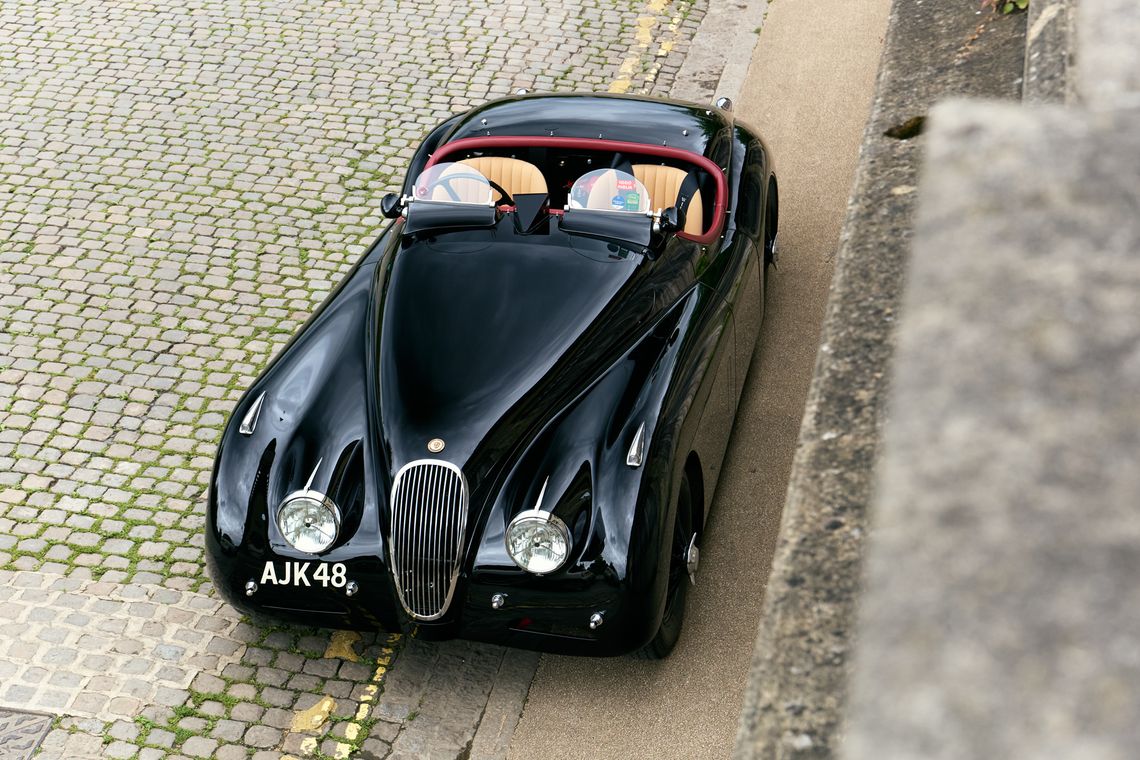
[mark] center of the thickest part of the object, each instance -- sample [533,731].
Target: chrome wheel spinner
[692,559]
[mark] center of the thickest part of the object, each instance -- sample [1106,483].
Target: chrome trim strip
[249,424]
[309,483]
[429,506]
[541,493]
[636,453]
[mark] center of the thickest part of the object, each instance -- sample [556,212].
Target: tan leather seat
[663,184]
[515,176]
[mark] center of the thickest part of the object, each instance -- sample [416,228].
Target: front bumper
[557,620]
[545,614]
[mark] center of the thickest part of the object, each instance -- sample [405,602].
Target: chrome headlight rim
[546,519]
[322,501]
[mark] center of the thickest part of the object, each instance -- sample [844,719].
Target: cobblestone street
[181,184]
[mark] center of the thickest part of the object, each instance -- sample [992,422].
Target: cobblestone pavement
[181,183]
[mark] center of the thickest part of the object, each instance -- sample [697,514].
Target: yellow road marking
[314,717]
[341,646]
[668,40]
[644,40]
[645,26]
[309,721]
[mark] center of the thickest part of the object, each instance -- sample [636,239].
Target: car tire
[674,618]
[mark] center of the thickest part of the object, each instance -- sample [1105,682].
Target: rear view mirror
[391,205]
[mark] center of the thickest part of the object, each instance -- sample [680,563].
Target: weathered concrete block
[1048,50]
[1108,40]
[1001,615]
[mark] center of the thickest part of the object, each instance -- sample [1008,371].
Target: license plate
[296,573]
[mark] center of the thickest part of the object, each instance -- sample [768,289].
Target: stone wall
[996,531]
[1001,617]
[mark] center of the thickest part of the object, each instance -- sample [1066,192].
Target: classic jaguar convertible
[508,421]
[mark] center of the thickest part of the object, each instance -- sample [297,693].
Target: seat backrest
[663,183]
[515,176]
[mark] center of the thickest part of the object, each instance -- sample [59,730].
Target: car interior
[553,172]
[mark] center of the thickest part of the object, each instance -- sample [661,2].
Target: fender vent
[429,516]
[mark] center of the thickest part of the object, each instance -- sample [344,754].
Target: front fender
[618,530]
[313,429]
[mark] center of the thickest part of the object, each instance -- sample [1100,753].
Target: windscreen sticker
[618,202]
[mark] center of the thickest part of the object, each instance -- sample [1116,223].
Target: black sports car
[508,421]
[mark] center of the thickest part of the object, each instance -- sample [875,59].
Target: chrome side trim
[636,453]
[313,476]
[429,506]
[249,423]
[541,493]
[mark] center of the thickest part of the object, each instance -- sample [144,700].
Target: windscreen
[453,183]
[609,190]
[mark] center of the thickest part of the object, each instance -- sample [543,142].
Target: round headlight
[538,541]
[309,521]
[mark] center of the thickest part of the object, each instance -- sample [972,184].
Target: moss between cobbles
[193,707]
[70,725]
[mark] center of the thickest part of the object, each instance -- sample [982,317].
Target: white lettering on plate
[295,573]
[300,573]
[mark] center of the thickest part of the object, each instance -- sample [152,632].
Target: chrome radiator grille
[429,515]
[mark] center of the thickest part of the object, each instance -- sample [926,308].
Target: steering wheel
[505,197]
[444,181]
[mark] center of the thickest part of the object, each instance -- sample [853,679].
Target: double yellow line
[644,39]
[341,646]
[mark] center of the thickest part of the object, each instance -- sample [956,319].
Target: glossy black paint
[533,356]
